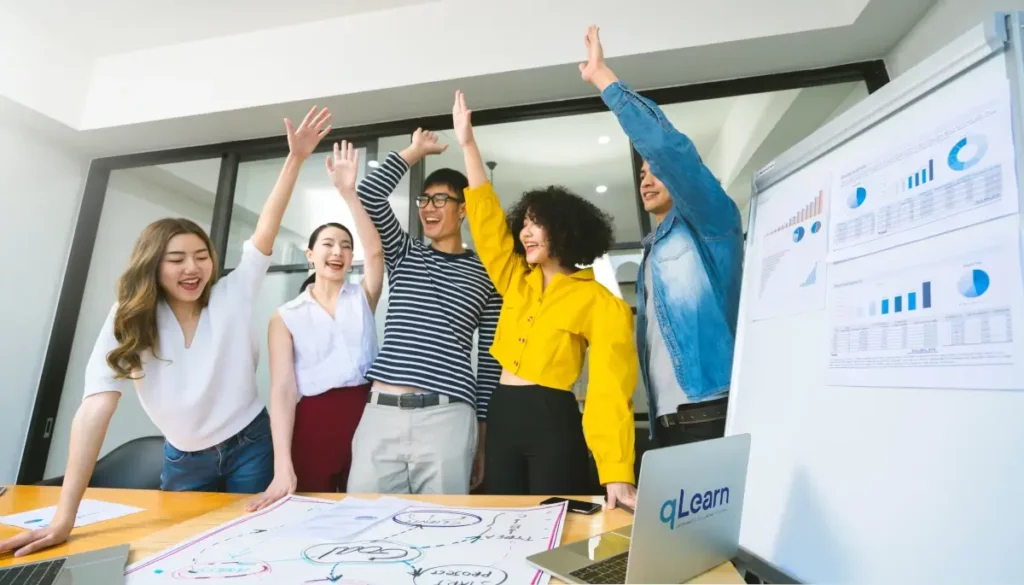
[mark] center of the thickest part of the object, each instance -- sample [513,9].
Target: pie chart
[973,283]
[967,152]
[815,227]
[856,199]
[798,234]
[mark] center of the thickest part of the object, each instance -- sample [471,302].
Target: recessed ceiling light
[602,188]
[372,164]
[604,139]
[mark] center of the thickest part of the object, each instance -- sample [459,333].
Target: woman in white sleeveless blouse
[322,343]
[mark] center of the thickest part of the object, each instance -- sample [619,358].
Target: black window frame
[58,351]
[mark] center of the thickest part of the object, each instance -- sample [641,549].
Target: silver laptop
[687,520]
[98,567]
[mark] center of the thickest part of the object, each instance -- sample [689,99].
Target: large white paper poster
[950,321]
[957,172]
[420,545]
[793,245]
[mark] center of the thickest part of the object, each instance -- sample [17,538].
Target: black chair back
[135,465]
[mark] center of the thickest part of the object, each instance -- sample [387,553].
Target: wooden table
[173,517]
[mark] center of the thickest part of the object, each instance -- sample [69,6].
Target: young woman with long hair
[322,343]
[184,339]
[537,441]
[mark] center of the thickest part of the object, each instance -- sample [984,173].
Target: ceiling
[876,30]
[116,26]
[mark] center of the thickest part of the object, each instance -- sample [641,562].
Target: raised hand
[461,118]
[302,141]
[424,143]
[595,70]
[343,167]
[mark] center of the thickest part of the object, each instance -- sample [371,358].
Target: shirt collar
[536,277]
[307,297]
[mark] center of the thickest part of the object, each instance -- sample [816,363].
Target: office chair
[135,465]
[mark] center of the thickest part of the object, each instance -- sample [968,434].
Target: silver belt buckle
[415,401]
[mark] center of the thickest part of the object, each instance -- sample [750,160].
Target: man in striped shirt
[424,424]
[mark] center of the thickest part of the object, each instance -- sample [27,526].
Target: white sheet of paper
[345,519]
[955,173]
[421,545]
[793,243]
[953,320]
[89,512]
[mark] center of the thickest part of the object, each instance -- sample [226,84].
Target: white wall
[42,189]
[945,21]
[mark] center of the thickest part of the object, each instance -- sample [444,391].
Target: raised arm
[342,168]
[608,411]
[494,240]
[284,395]
[302,141]
[671,154]
[375,189]
[244,282]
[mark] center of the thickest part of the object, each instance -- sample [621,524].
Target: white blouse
[204,394]
[331,352]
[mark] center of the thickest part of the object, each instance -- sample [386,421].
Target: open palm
[461,119]
[595,54]
[302,141]
[343,166]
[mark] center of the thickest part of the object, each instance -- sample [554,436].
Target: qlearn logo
[697,506]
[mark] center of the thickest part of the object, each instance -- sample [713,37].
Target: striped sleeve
[488,370]
[373,193]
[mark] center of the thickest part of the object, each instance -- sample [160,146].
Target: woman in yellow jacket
[536,440]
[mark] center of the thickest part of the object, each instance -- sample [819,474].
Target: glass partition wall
[737,126]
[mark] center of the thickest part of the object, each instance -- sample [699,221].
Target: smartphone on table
[577,506]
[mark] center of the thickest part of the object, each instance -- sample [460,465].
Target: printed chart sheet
[950,321]
[419,545]
[793,248]
[89,512]
[957,172]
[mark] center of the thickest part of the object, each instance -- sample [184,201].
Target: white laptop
[687,520]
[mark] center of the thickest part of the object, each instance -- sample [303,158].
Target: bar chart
[925,175]
[903,302]
[809,211]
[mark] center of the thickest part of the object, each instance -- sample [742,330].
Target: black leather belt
[696,413]
[417,400]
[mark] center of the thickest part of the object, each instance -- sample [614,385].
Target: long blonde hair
[139,291]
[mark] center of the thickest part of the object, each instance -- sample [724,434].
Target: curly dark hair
[578,232]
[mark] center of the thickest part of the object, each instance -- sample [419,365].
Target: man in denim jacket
[689,282]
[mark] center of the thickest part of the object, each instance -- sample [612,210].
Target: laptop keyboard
[44,573]
[610,570]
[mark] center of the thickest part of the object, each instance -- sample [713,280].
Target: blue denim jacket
[696,253]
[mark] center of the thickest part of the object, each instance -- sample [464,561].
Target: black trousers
[535,443]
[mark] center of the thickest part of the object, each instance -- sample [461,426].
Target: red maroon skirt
[322,438]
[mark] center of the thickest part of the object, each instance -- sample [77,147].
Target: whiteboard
[855,484]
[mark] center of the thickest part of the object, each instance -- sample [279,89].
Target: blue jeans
[243,464]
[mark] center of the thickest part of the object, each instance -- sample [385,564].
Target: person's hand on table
[620,493]
[284,484]
[27,543]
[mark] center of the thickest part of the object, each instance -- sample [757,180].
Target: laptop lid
[98,567]
[688,509]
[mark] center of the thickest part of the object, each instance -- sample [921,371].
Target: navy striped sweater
[437,301]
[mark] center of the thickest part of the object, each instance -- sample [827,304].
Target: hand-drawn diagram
[419,545]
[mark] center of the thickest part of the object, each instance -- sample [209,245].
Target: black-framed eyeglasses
[437,200]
